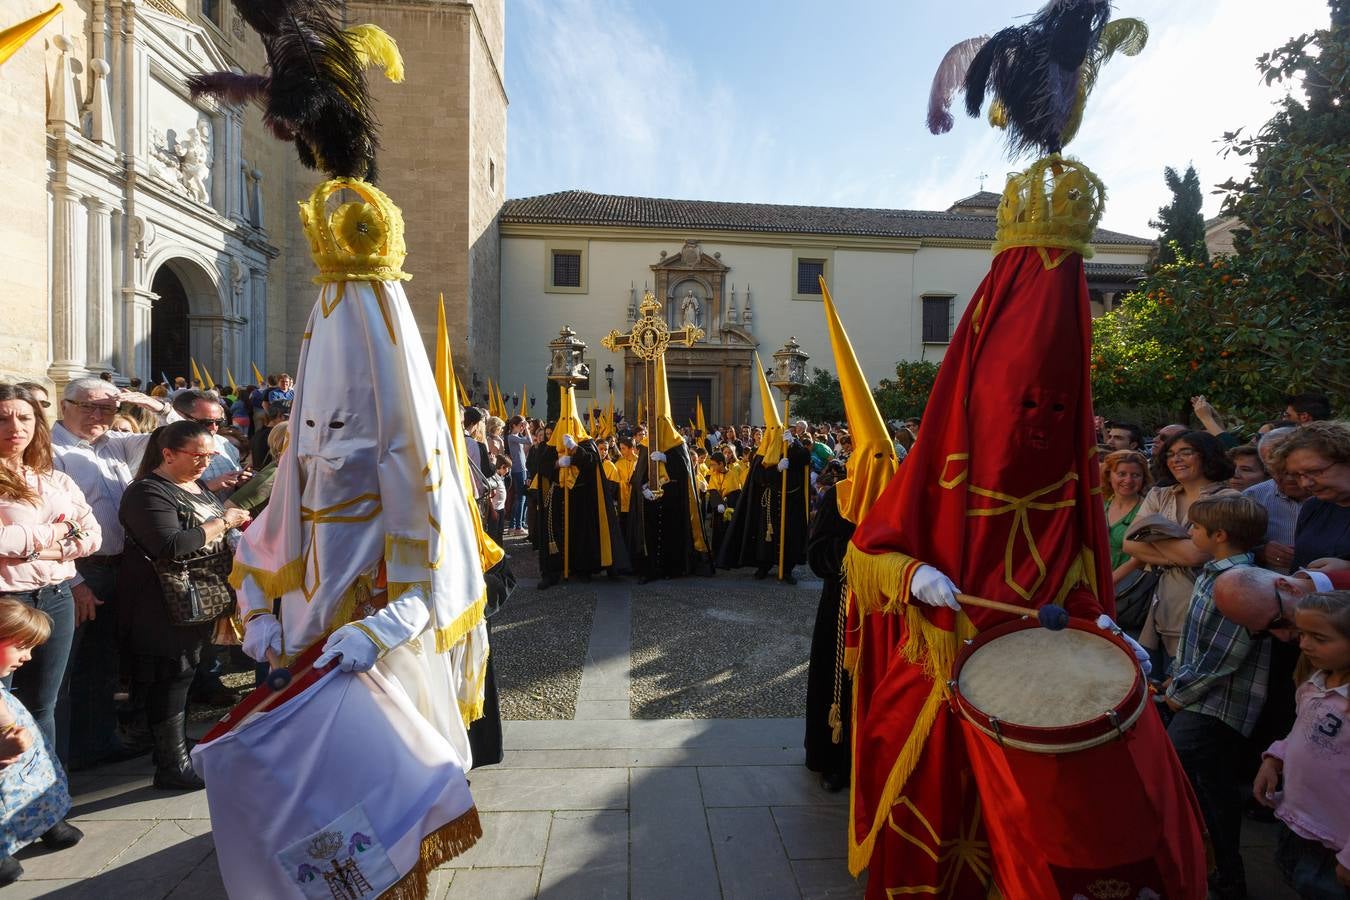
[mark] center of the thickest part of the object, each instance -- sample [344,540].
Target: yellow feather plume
[374,45]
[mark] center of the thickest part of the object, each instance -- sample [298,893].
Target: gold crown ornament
[1057,202]
[361,240]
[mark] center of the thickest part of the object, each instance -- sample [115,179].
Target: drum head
[1038,678]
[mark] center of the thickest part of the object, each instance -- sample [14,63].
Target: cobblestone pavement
[710,802]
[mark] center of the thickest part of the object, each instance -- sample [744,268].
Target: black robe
[756,526]
[485,734]
[829,540]
[661,533]
[583,534]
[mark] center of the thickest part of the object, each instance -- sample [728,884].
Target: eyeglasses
[1311,474]
[1279,620]
[100,408]
[1184,453]
[199,457]
[209,422]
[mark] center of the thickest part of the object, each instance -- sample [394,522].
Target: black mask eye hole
[1058,407]
[336,423]
[1028,404]
[309,422]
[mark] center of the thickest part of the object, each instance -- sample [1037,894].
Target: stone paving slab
[103,842]
[509,839]
[664,758]
[587,856]
[494,884]
[750,857]
[827,879]
[654,734]
[103,798]
[765,786]
[813,832]
[549,789]
[672,856]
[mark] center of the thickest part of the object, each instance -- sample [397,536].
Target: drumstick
[279,676]
[1051,617]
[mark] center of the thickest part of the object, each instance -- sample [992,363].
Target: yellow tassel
[374,45]
[998,114]
[438,848]
[272,584]
[836,724]
[880,582]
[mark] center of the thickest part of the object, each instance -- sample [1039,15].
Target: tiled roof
[585,208]
[981,200]
[1114,270]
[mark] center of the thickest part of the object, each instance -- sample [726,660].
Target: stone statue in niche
[194,161]
[691,312]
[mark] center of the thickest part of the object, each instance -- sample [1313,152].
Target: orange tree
[906,395]
[1274,318]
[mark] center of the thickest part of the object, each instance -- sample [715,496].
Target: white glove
[934,588]
[783,464]
[1105,623]
[564,462]
[261,634]
[658,456]
[569,442]
[721,507]
[396,624]
[647,492]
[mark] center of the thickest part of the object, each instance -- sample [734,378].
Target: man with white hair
[102,462]
[1282,497]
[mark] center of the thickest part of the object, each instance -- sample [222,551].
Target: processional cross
[648,339]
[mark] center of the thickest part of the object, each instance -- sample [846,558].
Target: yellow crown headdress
[1057,202]
[360,240]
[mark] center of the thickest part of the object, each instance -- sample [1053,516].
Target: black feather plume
[1035,70]
[315,92]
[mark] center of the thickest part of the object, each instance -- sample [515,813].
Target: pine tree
[1181,222]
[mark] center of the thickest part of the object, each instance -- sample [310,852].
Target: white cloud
[609,103]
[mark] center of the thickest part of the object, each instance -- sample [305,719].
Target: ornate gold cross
[648,339]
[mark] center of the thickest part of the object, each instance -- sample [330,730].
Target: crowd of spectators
[103,488]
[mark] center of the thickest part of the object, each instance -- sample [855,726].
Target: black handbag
[1134,596]
[196,588]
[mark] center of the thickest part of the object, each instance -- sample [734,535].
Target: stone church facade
[746,274]
[144,228]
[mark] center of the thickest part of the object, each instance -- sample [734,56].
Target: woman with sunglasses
[168,513]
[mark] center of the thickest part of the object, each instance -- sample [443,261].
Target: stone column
[232,151]
[69,285]
[101,321]
[257,321]
[136,310]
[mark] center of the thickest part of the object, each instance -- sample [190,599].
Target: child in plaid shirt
[1219,683]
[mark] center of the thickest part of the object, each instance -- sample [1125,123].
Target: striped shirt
[1281,512]
[1221,669]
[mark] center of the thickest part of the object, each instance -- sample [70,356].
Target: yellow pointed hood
[667,435]
[873,461]
[11,39]
[568,421]
[489,552]
[771,445]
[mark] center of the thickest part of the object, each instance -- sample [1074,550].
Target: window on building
[567,268]
[809,273]
[212,9]
[937,320]
[492,174]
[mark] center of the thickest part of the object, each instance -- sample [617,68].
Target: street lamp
[609,377]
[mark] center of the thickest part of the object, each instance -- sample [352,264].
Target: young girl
[33,795]
[1314,807]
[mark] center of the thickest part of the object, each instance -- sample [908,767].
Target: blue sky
[799,101]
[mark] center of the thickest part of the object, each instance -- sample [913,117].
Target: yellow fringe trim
[272,584]
[936,649]
[438,848]
[880,582]
[452,634]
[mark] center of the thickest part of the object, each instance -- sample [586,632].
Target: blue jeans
[1212,755]
[1308,867]
[41,681]
[518,500]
